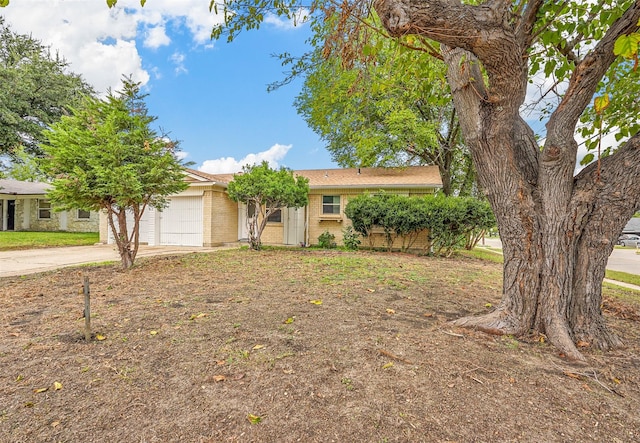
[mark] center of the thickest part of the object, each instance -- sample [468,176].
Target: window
[331,204]
[275,217]
[44,209]
[83,215]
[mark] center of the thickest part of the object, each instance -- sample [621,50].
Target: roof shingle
[411,176]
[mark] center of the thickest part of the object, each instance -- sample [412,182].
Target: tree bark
[120,235]
[557,230]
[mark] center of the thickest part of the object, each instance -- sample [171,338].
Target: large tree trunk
[557,230]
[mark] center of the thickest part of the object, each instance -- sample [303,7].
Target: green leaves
[105,156]
[265,190]
[36,89]
[627,45]
[4,3]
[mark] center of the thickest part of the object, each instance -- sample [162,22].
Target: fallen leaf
[254,419]
[451,385]
[427,314]
[20,377]
[40,390]
[616,380]
[220,362]
[288,321]
[371,290]
[488,305]
[256,347]
[387,365]
[57,386]
[55,424]
[583,344]
[200,315]
[315,302]
[571,374]
[153,332]
[100,337]
[288,371]
[391,311]
[219,378]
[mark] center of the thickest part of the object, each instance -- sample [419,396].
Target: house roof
[408,177]
[16,187]
[633,226]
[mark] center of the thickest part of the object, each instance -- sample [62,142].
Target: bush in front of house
[451,222]
[350,238]
[327,240]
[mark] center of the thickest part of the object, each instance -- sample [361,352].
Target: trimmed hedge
[451,222]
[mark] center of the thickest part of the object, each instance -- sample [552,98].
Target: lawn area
[10,240]
[298,345]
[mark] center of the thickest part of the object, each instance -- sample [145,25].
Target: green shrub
[326,240]
[452,222]
[350,238]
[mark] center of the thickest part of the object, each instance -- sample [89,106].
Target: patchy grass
[297,345]
[491,254]
[12,240]
[623,277]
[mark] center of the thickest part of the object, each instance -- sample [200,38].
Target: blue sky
[210,95]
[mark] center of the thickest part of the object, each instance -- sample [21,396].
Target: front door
[11,215]
[294,222]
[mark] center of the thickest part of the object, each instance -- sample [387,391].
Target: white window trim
[43,200]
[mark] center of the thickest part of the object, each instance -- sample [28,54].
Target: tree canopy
[264,191]
[36,89]
[105,156]
[394,111]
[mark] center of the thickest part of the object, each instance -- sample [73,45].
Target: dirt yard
[297,346]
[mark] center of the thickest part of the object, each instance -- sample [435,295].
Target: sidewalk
[30,261]
[616,261]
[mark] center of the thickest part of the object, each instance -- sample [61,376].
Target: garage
[180,224]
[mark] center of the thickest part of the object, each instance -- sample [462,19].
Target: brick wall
[220,218]
[335,223]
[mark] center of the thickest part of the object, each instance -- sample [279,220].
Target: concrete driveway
[30,261]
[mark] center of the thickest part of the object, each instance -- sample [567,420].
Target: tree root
[500,322]
[497,322]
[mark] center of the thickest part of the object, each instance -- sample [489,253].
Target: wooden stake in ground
[87,310]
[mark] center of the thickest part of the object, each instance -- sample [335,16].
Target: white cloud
[100,43]
[178,58]
[181,155]
[155,37]
[227,165]
[301,16]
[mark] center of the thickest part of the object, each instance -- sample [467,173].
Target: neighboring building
[632,227]
[25,207]
[203,214]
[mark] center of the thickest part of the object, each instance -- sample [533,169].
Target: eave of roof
[16,187]
[412,177]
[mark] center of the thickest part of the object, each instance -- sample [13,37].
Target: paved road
[625,260]
[38,260]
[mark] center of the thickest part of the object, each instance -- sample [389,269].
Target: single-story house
[203,214]
[24,207]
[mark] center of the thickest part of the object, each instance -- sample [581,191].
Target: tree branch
[585,78]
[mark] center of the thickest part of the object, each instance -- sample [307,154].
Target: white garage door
[143,230]
[181,222]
